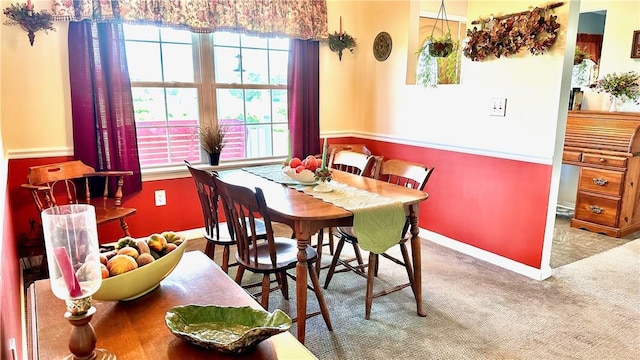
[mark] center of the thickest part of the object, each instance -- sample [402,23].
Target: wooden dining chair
[216,233]
[353,162]
[245,207]
[74,182]
[401,173]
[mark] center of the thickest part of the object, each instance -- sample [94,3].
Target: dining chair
[353,162]
[214,231]
[74,182]
[401,173]
[276,255]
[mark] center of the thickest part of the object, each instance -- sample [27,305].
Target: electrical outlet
[161,198]
[498,107]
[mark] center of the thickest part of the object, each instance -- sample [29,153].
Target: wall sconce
[340,41]
[29,20]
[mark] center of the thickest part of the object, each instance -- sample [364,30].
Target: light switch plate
[161,198]
[498,107]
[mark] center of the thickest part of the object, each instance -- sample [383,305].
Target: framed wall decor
[635,46]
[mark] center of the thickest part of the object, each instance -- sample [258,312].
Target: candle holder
[71,241]
[340,41]
[29,20]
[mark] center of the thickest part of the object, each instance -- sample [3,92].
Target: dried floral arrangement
[623,86]
[212,138]
[28,19]
[507,35]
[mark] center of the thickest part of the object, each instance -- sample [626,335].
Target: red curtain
[303,97]
[104,133]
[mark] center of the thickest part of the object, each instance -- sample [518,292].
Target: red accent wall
[182,211]
[10,319]
[494,204]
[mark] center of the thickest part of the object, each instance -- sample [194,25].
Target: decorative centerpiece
[29,20]
[302,171]
[622,87]
[323,173]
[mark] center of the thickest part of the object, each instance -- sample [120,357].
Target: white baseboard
[501,261]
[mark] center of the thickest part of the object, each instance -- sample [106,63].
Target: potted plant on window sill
[212,140]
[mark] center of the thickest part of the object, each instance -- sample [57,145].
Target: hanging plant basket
[441,47]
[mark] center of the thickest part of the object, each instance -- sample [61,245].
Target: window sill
[181,171]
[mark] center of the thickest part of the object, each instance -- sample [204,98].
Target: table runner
[377,221]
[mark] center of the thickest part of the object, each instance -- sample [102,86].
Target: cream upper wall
[456,116]
[36,114]
[359,95]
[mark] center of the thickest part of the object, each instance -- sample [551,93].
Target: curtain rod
[552,6]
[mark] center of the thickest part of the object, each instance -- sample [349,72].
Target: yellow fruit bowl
[136,283]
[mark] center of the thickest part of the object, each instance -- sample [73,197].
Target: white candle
[324,153]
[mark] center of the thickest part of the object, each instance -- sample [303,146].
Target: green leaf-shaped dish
[226,329]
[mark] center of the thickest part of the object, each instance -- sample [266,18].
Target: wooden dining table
[136,329]
[306,215]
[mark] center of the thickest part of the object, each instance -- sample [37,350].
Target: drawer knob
[603,160]
[596,209]
[600,181]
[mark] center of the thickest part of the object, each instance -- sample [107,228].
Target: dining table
[290,203]
[136,329]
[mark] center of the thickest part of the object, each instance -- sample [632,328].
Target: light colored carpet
[589,309]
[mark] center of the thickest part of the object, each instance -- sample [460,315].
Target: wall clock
[382,46]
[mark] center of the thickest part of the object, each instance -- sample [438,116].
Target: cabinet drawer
[596,209]
[605,160]
[571,156]
[601,181]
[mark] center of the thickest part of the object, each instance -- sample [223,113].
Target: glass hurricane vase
[71,242]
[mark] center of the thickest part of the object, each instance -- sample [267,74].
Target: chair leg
[225,259]
[210,249]
[334,262]
[356,249]
[319,250]
[284,284]
[373,259]
[330,242]
[407,266]
[266,287]
[316,289]
[239,274]
[125,227]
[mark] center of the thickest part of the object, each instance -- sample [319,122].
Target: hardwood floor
[570,244]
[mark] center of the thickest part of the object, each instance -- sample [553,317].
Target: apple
[294,162]
[299,169]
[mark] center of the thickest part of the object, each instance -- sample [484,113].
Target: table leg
[302,238]
[416,253]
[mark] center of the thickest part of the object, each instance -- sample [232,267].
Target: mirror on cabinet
[588,48]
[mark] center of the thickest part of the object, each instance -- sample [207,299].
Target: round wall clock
[382,46]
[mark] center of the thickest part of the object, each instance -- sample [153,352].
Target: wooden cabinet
[606,147]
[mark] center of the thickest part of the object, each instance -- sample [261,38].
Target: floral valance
[300,19]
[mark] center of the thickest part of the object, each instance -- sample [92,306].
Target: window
[180,80]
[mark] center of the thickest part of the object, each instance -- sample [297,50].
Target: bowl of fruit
[136,266]
[302,171]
